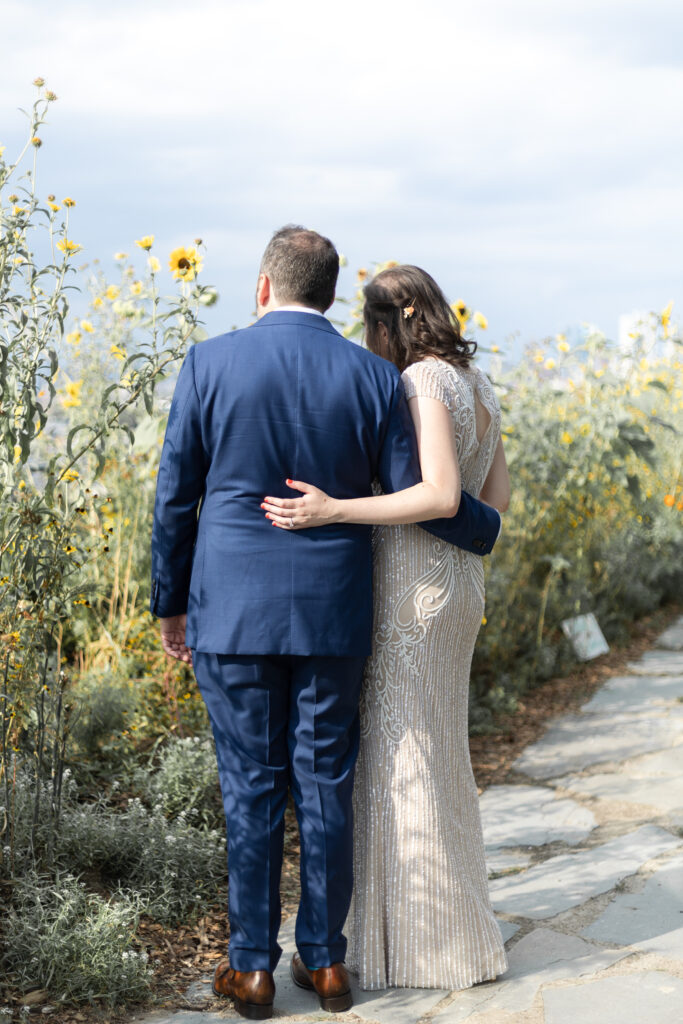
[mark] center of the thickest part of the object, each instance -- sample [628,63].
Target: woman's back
[471,400]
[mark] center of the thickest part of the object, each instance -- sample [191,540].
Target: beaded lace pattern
[421,915]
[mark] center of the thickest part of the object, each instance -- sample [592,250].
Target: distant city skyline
[526,155]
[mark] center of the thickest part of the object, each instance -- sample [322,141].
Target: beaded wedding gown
[420,915]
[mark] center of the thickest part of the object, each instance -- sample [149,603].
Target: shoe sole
[252,1011]
[333,1004]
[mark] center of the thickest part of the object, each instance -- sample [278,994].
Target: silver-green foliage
[186,780]
[60,937]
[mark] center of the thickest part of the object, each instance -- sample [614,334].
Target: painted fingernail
[288,482]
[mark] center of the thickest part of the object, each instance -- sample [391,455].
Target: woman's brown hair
[417,317]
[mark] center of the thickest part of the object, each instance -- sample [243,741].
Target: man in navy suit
[278,624]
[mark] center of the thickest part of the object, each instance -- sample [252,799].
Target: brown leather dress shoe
[330,983]
[251,991]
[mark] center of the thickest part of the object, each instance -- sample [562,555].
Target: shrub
[73,943]
[170,867]
[186,780]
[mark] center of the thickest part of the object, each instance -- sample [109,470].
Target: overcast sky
[529,154]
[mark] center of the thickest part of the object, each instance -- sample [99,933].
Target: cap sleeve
[428,379]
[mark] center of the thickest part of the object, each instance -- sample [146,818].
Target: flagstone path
[585,852]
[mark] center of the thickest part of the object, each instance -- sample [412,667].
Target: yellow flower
[563,345]
[73,391]
[74,337]
[113,292]
[361,275]
[539,357]
[185,263]
[153,264]
[480,320]
[87,326]
[97,302]
[18,259]
[136,288]
[54,206]
[117,352]
[484,620]
[70,475]
[69,202]
[665,317]
[2,150]
[461,311]
[495,348]
[120,255]
[36,141]
[669,499]
[549,364]
[22,485]
[566,438]
[67,246]
[146,242]
[17,452]
[17,211]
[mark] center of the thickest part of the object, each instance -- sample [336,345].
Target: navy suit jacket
[287,397]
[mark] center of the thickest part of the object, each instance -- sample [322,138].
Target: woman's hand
[315,508]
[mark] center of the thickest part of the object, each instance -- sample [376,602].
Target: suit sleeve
[475,526]
[180,486]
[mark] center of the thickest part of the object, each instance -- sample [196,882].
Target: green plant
[73,943]
[53,523]
[186,780]
[171,867]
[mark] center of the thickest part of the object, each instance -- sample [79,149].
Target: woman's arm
[437,496]
[496,489]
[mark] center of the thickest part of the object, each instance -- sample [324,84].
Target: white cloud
[533,141]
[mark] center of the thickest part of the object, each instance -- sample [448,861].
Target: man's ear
[263,290]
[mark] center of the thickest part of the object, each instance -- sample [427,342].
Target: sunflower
[68,247]
[462,313]
[146,242]
[185,263]
[73,392]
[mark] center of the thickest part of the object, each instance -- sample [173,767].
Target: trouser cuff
[315,957]
[254,959]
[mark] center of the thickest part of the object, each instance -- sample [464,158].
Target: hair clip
[408,312]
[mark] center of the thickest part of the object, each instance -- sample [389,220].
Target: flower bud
[40,82]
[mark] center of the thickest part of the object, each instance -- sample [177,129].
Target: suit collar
[285,316]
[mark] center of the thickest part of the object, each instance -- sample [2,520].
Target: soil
[183,955]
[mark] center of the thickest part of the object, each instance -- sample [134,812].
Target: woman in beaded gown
[421,915]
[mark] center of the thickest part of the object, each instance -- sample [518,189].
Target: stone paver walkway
[585,854]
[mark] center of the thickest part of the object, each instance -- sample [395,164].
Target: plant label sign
[585,636]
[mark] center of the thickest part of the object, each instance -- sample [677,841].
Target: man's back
[286,398]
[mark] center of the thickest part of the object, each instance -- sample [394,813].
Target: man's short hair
[303,267]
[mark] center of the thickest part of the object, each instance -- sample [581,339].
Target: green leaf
[633,484]
[72,434]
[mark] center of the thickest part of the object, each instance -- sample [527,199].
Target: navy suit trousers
[284,722]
